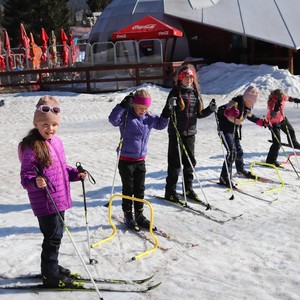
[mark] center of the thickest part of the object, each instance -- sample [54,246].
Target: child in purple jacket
[135,122]
[43,150]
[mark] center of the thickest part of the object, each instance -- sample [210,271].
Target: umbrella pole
[173,48]
[165,50]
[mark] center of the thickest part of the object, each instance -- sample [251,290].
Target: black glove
[296,100]
[166,112]
[213,105]
[277,105]
[127,101]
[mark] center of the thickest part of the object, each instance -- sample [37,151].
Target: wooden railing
[89,77]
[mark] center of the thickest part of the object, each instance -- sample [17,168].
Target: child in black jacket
[185,106]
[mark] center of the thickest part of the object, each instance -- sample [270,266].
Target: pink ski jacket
[59,174]
[280,114]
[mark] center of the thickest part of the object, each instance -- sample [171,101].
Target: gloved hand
[166,112]
[296,100]
[263,123]
[213,105]
[127,101]
[231,112]
[277,106]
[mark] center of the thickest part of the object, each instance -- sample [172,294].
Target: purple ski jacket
[59,174]
[137,130]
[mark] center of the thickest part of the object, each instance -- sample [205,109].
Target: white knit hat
[251,94]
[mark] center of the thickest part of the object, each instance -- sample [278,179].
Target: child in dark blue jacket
[231,116]
[135,122]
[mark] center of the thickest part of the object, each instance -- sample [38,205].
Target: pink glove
[263,123]
[231,112]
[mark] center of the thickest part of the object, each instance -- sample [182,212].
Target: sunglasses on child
[47,108]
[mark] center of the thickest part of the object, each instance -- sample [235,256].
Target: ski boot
[130,222]
[172,196]
[246,174]
[60,281]
[190,193]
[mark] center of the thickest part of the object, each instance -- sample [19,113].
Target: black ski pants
[288,129]
[234,153]
[133,183]
[174,162]
[52,228]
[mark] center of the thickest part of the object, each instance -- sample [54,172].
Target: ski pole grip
[38,172]
[82,170]
[174,101]
[212,105]
[79,167]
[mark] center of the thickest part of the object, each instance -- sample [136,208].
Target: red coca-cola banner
[146,28]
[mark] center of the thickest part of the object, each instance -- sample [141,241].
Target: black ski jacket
[185,120]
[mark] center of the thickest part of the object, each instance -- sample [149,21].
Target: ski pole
[39,173]
[222,138]
[234,133]
[208,206]
[179,153]
[279,143]
[289,136]
[119,154]
[92,180]
[233,156]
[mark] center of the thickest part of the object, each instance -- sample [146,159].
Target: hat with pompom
[251,94]
[51,113]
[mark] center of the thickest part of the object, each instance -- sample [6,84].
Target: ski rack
[112,198]
[256,177]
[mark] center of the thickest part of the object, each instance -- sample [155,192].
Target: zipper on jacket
[188,113]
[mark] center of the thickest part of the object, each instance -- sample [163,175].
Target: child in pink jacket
[278,121]
[43,150]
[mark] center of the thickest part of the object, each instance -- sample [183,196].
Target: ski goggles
[47,108]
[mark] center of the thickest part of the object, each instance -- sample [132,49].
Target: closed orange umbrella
[35,53]
[64,52]
[2,63]
[44,44]
[9,59]
[24,42]
[72,48]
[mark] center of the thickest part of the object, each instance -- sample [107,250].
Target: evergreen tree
[50,14]
[13,17]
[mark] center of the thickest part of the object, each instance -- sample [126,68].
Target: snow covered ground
[253,257]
